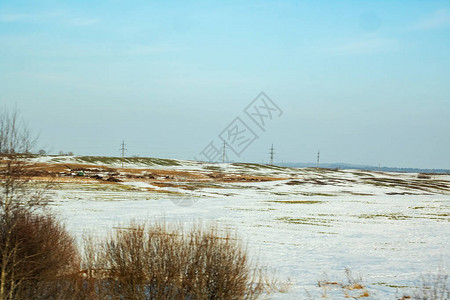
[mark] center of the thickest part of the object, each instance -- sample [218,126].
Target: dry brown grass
[46,171]
[351,288]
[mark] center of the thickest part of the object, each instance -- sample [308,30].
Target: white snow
[299,231]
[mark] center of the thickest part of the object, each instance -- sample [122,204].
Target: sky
[364,82]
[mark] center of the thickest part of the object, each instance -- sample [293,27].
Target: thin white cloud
[366,45]
[439,19]
[83,21]
[57,17]
[27,17]
[29,45]
[142,50]
[6,18]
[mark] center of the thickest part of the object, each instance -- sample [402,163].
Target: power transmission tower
[224,152]
[318,158]
[271,155]
[123,151]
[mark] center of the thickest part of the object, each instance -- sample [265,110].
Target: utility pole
[123,151]
[271,155]
[318,158]
[224,152]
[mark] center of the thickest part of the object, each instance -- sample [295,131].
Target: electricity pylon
[318,158]
[123,151]
[271,155]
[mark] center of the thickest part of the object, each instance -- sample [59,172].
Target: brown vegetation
[37,256]
[352,288]
[69,172]
[158,262]
[35,250]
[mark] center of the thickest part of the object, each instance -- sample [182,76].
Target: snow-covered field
[389,228]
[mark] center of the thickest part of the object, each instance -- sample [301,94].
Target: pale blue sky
[366,82]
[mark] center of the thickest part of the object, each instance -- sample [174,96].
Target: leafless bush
[35,250]
[158,262]
[433,287]
[37,256]
[16,191]
[15,137]
[15,172]
[353,288]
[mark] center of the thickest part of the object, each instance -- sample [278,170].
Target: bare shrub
[352,288]
[36,253]
[16,190]
[15,136]
[39,256]
[433,287]
[15,172]
[158,262]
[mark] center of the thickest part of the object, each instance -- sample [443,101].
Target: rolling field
[305,225]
